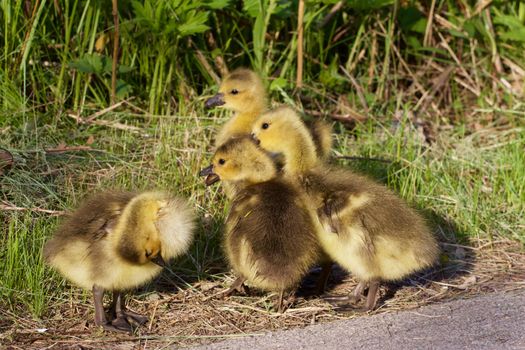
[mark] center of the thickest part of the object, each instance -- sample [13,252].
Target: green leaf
[82,66]
[511,22]
[330,77]
[278,84]
[107,64]
[515,35]
[410,18]
[258,41]
[368,4]
[91,63]
[252,7]
[217,4]
[414,42]
[123,88]
[469,27]
[195,24]
[216,52]
[122,68]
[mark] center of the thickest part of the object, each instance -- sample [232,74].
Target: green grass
[368,61]
[474,182]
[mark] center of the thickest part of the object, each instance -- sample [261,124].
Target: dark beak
[255,139]
[159,261]
[217,100]
[211,177]
[206,171]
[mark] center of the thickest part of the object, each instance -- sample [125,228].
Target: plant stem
[300,30]
[115,54]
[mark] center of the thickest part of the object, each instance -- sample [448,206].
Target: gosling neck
[253,111]
[300,156]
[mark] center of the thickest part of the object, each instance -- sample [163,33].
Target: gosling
[368,230]
[243,92]
[270,239]
[116,241]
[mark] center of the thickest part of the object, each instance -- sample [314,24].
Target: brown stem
[28,33]
[300,30]
[115,53]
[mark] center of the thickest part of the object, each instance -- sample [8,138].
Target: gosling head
[139,240]
[281,131]
[144,249]
[241,91]
[240,160]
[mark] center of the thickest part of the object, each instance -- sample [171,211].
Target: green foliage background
[49,57]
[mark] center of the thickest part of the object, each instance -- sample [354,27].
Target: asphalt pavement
[493,321]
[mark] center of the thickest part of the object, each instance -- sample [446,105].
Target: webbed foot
[237,286]
[280,305]
[135,317]
[119,324]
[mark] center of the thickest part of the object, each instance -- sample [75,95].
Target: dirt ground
[198,315]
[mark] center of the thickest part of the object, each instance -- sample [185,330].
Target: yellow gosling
[117,241]
[270,238]
[367,229]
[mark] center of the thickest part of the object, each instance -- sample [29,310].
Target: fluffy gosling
[116,241]
[270,238]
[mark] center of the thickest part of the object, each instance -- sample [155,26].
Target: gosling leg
[123,316]
[280,304]
[326,268]
[371,299]
[100,316]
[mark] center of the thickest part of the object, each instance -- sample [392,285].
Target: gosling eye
[222,161]
[234,91]
[265,126]
[148,253]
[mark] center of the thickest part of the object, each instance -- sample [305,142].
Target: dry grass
[196,314]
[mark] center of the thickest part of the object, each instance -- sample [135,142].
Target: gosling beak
[217,100]
[159,261]
[211,177]
[255,139]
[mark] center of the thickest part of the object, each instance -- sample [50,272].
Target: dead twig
[437,84]
[480,6]
[115,53]
[115,125]
[352,116]
[496,59]
[106,110]
[359,90]
[428,29]
[330,14]
[220,64]
[8,206]
[61,149]
[204,62]
[28,33]
[382,160]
